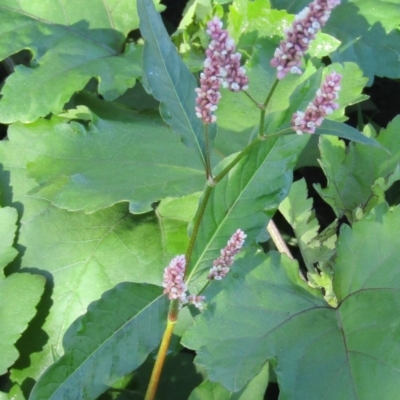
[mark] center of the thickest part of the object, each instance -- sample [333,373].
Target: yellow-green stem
[162,351]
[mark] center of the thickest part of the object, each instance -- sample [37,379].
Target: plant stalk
[162,351]
[278,239]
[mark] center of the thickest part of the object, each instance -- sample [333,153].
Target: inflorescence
[308,22]
[322,105]
[221,266]
[221,68]
[174,275]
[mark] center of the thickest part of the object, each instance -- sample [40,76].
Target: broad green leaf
[246,198]
[81,255]
[254,390]
[369,243]
[170,81]
[265,312]
[352,170]
[79,168]
[19,293]
[112,339]
[70,45]
[367,28]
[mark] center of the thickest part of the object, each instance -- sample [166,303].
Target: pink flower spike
[221,266]
[307,23]
[221,67]
[173,282]
[322,105]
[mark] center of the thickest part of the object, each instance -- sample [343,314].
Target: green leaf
[8,227]
[140,162]
[297,210]
[174,216]
[170,81]
[112,339]
[247,16]
[246,198]
[254,390]
[70,45]
[344,131]
[19,293]
[265,312]
[352,170]
[81,255]
[365,30]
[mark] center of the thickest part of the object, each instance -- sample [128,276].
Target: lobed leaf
[19,293]
[297,210]
[81,256]
[139,161]
[112,339]
[351,171]
[70,45]
[265,312]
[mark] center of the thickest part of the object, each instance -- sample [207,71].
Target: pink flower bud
[221,266]
[322,105]
[308,22]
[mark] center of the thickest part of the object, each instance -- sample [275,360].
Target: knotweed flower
[173,282]
[221,67]
[322,105]
[221,266]
[308,22]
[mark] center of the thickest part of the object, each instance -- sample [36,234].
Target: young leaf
[265,312]
[170,81]
[19,293]
[112,339]
[70,45]
[352,170]
[247,197]
[139,161]
[297,210]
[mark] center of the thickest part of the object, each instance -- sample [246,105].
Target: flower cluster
[222,264]
[173,282]
[308,22]
[322,105]
[221,67]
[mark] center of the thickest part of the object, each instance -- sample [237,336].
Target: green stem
[208,158]
[265,105]
[258,105]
